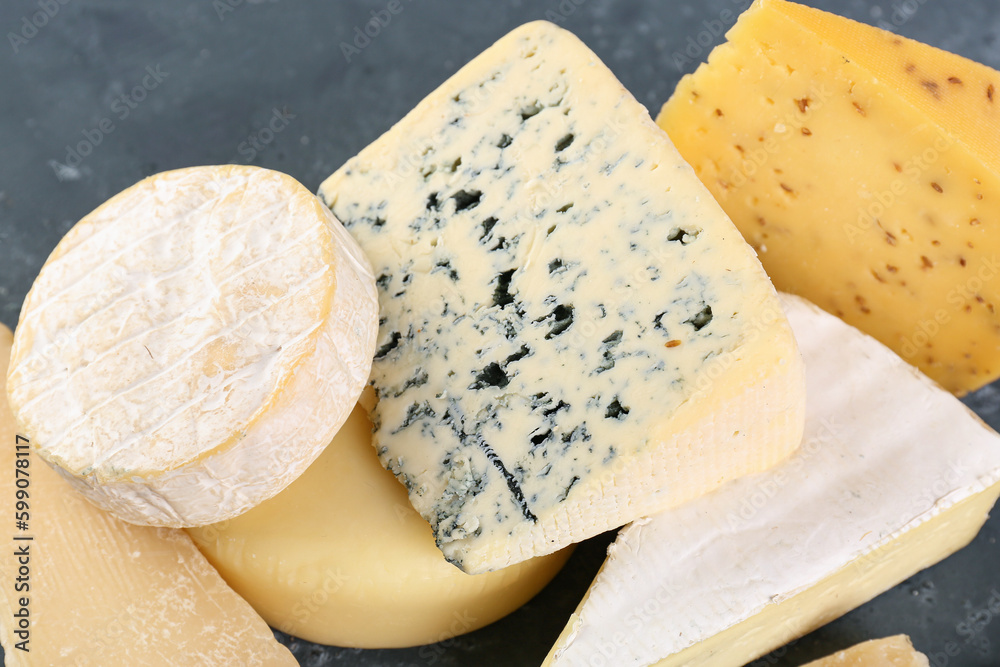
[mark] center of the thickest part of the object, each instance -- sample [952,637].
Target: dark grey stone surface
[212,75]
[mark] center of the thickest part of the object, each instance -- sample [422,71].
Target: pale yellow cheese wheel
[340,557]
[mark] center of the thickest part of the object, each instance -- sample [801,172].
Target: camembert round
[192,345]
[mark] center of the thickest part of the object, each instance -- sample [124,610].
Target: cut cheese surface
[340,557]
[889,652]
[564,309]
[100,592]
[193,344]
[864,168]
[893,475]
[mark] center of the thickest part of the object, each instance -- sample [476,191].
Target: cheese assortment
[572,333]
[103,593]
[889,652]
[893,475]
[340,557]
[564,333]
[863,167]
[192,345]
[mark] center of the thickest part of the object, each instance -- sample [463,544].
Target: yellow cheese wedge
[889,652]
[340,557]
[89,590]
[864,167]
[191,346]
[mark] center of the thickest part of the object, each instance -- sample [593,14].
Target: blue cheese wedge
[893,475]
[572,333]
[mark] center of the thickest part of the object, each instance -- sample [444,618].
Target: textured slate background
[212,75]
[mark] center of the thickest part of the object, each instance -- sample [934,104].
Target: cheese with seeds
[865,169]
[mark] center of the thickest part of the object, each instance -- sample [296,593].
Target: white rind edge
[287,438]
[818,516]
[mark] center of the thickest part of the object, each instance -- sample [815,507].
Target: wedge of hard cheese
[889,652]
[893,475]
[572,333]
[865,169]
[193,344]
[85,589]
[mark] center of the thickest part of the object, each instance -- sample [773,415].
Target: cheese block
[864,168]
[572,332]
[893,475]
[82,588]
[889,652]
[340,557]
[193,344]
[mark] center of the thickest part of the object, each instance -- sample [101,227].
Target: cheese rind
[893,475]
[848,588]
[340,557]
[192,345]
[106,593]
[889,652]
[573,334]
[863,168]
